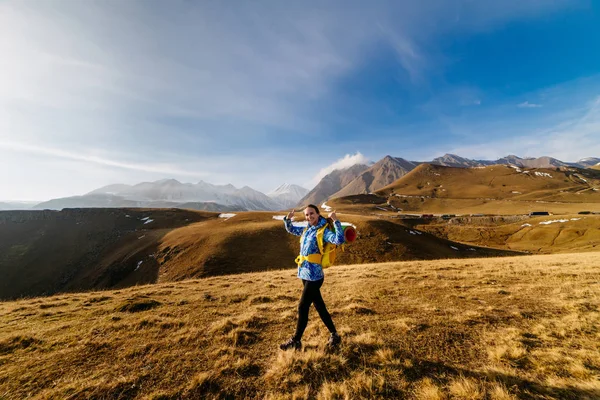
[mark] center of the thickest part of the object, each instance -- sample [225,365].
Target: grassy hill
[46,252]
[547,234]
[43,252]
[497,189]
[500,328]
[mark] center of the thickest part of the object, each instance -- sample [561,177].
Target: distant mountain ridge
[452,160]
[170,193]
[16,205]
[389,169]
[356,179]
[288,194]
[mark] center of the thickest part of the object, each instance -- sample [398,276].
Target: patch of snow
[141,237]
[279,217]
[525,225]
[412,232]
[303,224]
[127,216]
[138,265]
[545,174]
[454,248]
[515,192]
[436,174]
[472,249]
[575,219]
[144,219]
[226,215]
[553,221]
[148,221]
[348,224]
[516,168]
[325,207]
[525,172]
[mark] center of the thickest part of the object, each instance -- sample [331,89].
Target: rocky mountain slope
[380,174]
[332,183]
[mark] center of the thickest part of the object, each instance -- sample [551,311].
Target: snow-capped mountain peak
[288,194]
[287,188]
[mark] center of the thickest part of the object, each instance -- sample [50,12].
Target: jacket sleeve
[336,237]
[294,230]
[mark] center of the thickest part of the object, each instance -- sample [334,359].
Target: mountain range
[368,179]
[170,193]
[357,179]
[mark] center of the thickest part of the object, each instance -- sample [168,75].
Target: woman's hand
[291,215]
[333,216]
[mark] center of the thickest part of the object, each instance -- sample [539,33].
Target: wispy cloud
[527,104]
[164,169]
[346,162]
[201,80]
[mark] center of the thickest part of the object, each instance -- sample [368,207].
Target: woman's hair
[314,208]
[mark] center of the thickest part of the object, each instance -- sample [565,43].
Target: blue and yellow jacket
[311,271]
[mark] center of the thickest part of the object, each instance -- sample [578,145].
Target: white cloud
[346,162]
[527,104]
[131,78]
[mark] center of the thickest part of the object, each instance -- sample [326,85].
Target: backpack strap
[320,240]
[311,258]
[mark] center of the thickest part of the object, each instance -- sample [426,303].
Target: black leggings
[312,295]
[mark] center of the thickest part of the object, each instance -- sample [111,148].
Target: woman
[312,273]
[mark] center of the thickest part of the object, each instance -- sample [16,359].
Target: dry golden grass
[494,190]
[537,235]
[495,328]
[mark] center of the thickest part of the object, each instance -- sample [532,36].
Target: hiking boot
[291,344]
[334,341]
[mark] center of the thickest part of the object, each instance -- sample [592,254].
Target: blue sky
[266,92]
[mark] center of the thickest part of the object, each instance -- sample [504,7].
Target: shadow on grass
[526,389]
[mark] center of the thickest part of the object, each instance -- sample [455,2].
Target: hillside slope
[566,233]
[331,183]
[502,328]
[494,189]
[498,182]
[46,252]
